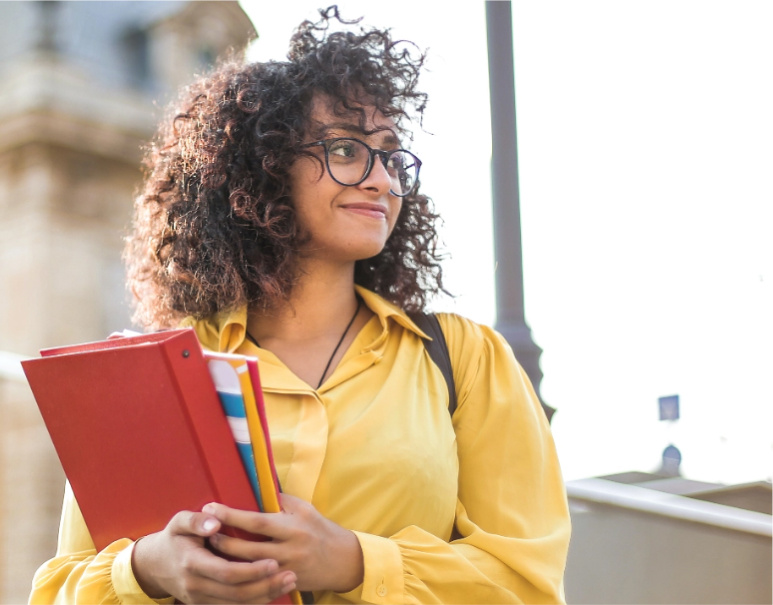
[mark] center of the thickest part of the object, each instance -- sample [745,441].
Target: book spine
[203,411]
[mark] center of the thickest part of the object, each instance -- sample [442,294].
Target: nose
[378,179]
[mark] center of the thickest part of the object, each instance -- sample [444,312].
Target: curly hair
[214,223]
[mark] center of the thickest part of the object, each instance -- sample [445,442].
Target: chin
[351,249]
[355,255]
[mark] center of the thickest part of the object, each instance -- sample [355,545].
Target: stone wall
[31,490]
[78,102]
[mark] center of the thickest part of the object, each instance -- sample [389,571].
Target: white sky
[646,161]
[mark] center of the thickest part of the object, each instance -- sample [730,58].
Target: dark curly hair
[215,225]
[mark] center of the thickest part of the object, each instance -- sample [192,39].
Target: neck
[320,305]
[312,332]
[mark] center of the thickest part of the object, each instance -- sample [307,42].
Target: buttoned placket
[310,444]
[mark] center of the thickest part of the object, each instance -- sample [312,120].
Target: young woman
[281,217]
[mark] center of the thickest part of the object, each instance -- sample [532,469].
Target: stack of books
[148,425]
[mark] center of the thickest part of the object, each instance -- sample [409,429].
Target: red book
[140,432]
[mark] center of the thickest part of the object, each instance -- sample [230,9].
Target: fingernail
[209,524]
[208,508]
[272,566]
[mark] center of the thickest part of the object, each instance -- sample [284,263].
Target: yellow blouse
[465,511]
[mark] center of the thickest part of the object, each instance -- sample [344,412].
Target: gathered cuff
[126,587]
[383,581]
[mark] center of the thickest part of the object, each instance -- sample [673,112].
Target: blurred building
[652,538]
[81,87]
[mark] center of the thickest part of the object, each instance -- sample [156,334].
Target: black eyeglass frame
[382,154]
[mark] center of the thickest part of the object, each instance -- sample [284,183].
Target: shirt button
[381,591]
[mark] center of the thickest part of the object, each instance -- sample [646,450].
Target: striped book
[237,383]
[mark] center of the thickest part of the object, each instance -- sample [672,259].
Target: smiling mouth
[370,210]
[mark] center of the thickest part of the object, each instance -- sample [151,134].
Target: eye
[397,162]
[344,148]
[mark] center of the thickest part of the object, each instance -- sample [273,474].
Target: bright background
[645,137]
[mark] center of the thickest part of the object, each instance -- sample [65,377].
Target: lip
[369,209]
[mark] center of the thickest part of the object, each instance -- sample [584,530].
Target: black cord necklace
[338,346]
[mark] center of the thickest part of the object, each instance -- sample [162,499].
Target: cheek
[305,174]
[305,191]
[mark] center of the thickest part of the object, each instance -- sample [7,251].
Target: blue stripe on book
[232,404]
[245,451]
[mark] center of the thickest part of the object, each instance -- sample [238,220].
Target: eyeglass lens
[348,161]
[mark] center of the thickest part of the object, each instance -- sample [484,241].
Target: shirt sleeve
[512,525]
[80,574]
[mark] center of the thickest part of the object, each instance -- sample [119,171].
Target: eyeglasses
[349,162]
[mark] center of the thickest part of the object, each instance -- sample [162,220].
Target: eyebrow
[324,129]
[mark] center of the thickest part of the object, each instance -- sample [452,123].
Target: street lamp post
[511,320]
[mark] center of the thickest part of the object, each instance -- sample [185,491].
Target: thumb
[196,524]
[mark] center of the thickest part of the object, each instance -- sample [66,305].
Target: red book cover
[140,432]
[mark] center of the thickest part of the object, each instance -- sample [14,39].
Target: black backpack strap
[438,351]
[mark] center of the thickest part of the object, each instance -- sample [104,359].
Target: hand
[323,555]
[175,562]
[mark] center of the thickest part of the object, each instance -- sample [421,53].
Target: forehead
[329,116]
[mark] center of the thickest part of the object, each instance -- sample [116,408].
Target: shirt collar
[226,331]
[223,332]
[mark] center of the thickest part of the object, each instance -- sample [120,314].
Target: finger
[289,503]
[246,550]
[196,524]
[281,583]
[270,525]
[224,571]
[242,582]
[261,591]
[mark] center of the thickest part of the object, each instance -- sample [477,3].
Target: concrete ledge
[670,505]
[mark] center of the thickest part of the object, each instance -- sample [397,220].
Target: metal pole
[511,321]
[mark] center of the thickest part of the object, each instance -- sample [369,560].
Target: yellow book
[261,440]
